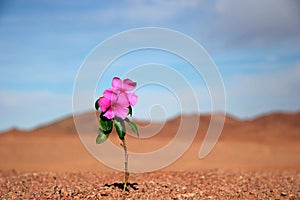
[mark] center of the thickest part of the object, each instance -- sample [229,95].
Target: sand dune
[269,142]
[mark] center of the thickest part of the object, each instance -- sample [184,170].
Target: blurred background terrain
[270,142]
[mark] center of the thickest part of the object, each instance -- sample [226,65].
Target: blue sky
[255,45]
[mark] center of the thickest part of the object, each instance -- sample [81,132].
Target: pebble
[283,194]
[212,184]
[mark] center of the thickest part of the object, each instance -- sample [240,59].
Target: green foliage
[102,137]
[130,111]
[106,125]
[133,126]
[97,106]
[120,127]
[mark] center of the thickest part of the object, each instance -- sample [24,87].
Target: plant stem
[126,164]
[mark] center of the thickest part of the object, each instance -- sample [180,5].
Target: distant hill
[268,142]
[274,126]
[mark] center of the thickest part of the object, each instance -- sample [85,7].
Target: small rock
[292,197]
[283,194]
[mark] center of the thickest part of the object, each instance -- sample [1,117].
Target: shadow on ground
[121,186]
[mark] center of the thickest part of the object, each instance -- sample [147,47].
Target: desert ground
[253,159]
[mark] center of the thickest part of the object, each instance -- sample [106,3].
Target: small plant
[116,105]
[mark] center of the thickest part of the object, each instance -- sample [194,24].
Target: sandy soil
[157,185]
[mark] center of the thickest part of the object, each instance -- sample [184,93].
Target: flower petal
[123,100]
[109,114]
[117,83]
[132,98]
[111,94]
[108,93]
[128,85]
[104,103]
[121,111]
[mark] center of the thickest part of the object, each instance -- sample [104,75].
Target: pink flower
[116,100]
[124,87]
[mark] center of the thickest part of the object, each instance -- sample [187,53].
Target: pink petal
[108,93]
[132,98]
[104,103]
[117,83]
[109,114]
[123,100]
[121,111]
[128,85]
[111,94]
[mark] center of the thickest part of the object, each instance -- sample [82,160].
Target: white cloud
[271,58]
[144,11]
[29,109]
[253,94]
[278,83]
[105,13]
[265,22]
[157,10]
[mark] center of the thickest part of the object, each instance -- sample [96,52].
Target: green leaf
[105,125]
[133,126]
[102,137]
[130,111]
[97,106]
[120,127]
